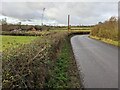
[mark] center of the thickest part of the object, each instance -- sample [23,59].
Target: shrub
[107,29]
[27,66]
[26,33]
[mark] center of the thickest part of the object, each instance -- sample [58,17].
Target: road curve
[97,61]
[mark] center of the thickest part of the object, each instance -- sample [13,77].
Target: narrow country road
[97,62]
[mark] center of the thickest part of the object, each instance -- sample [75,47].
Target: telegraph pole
[68,23]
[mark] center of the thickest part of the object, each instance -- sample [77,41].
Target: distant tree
[3,21]
[100,23]
[19,24]
[113,19]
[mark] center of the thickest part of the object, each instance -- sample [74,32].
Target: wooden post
[68,23]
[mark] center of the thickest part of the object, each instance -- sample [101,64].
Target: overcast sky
[85,13]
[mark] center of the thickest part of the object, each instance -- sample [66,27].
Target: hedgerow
[26,33]
[27,66]
[107,29]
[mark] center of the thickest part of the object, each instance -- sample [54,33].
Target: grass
[108,41]
[60,74]
[14,41]
[65,73]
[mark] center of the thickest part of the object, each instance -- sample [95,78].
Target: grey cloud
[81,12]
[60,0]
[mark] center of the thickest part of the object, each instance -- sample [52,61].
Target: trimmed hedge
[26,33]
[11,27]
[28,65]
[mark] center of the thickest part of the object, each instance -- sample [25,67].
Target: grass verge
[65,73]
[108,41]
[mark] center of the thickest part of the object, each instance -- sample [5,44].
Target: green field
[14,41]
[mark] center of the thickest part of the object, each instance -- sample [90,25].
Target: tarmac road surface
[97,62]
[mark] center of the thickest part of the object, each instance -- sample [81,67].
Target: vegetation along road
[97,61]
